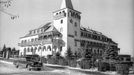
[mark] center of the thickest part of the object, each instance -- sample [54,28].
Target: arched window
[25,51]
[49,48]
[35,49]
[44,48]
[39,48]
[28,50]
[31,49]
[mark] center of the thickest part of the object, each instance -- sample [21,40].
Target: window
[61,21]
[81,33]
[28,50]
[36,39]
[49,48]
[32,40]
[34,32]
[44,48]
[37,31]
[25,41]
[75,43]
[64,13]
[22,41]
[61,29]
[40,30]
[89,35]
[71,21]
[75,33]
[32,49]
[75,24]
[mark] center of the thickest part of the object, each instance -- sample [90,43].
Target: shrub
[43,59]
[72,63]
[84,63]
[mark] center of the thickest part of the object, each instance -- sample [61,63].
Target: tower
[67,21]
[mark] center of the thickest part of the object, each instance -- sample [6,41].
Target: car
[34,66]
[31,62]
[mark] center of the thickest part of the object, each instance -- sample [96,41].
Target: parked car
[31,62]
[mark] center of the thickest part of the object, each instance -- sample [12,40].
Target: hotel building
[65,31]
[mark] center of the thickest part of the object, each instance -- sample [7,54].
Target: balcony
[35,43]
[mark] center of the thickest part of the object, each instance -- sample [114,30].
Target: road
[9,69]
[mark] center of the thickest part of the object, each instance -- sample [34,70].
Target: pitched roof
[90,30]
[66,4]
[48,27]
[95,33]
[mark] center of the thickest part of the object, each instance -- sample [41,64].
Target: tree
[78,54]
[13,51]
[4,51]
[69,53]
[4,47]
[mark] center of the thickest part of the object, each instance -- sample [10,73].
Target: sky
[114,18]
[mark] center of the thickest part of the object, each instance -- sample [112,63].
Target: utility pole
[6,4]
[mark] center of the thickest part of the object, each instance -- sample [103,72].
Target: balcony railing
[34,43]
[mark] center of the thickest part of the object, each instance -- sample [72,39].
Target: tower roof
[66,4]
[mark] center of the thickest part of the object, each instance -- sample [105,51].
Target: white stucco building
[62,33]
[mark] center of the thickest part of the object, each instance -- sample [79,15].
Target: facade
[62,33]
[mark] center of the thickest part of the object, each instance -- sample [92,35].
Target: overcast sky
[114,18]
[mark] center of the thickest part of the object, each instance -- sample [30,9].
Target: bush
[63,62]
[43,59]
[85,63]
[103,66]
[52,60]
[72,63]
[57,60]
